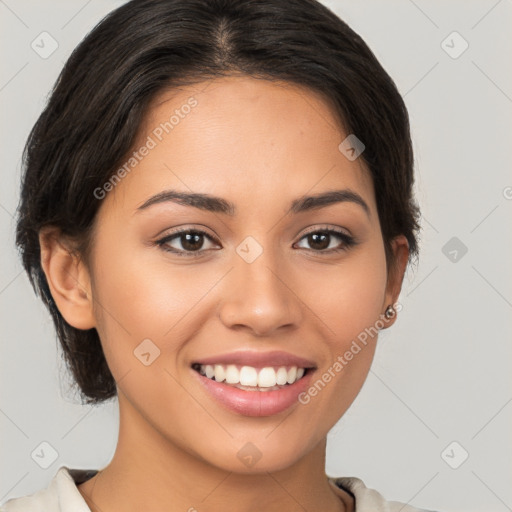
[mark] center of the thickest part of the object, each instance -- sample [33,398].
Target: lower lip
[255,403]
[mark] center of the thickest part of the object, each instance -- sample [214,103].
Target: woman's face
[264,277]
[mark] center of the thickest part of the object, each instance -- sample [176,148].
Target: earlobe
[400,247]
[68,279]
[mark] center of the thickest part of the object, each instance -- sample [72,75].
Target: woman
[217,210]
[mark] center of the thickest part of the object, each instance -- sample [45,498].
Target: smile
[251,378]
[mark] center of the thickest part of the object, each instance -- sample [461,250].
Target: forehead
[241,136]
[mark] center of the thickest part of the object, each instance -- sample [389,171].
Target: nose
[260,297]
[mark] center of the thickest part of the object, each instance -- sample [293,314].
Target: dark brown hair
[100,99]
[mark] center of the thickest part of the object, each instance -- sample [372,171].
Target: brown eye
[327,241]
[186,241]
[319,241]
[191,241]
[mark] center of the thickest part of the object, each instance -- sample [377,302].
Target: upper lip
[257,359]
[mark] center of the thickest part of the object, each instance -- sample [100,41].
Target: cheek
[348,300]
[348,296]
[140,296]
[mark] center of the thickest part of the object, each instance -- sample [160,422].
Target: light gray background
[441,374]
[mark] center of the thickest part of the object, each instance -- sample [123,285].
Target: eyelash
[348,241]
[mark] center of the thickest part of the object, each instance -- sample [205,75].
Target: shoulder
[60,495]
[369,500]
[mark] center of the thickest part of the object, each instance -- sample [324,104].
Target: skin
[259,145]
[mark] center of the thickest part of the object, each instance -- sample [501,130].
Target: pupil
[192,241]
[320,244]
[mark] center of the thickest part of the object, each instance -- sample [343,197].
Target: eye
[328,240]
[185,242]
[191,242]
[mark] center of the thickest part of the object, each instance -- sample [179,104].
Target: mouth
[252,378]
[252,383]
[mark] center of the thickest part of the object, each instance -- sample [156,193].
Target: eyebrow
[219,205]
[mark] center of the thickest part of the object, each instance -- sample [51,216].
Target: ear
[396,273]
[68,279]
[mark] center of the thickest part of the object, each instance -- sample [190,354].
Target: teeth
[209,371]
[292,375]
[267,377]
[281,376]
[232,374]
[220,373]
[248,376]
